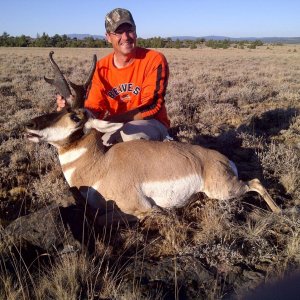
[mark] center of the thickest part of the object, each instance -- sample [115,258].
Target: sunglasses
[119,34]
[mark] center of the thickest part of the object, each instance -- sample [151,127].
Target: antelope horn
[59,80]
[63,87]
[81,90]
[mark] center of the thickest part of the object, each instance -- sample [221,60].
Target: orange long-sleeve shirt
[140,85]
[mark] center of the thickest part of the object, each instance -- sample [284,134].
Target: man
[129,84]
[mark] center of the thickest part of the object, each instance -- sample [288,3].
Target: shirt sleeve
[96,101]
[154,87]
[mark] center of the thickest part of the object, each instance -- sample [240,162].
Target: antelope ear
[102,126]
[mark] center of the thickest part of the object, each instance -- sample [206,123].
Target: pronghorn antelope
[134,176]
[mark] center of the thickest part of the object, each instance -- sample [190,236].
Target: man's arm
[128,116]
[154,88]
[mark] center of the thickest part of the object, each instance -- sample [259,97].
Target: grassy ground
[244,103]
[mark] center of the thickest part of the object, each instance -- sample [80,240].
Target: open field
[244,103]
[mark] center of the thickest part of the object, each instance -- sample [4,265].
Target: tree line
[63,41]
[44,40]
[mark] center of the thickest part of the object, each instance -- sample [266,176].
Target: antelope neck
[89,141]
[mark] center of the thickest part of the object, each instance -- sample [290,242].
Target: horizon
[165,19]
[187,37]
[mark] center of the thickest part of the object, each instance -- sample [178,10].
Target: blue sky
[233,18]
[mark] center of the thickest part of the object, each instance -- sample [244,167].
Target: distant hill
[82,36]
[285,40]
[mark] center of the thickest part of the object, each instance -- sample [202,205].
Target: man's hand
[60,101]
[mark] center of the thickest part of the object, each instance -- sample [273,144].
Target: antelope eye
[75,118]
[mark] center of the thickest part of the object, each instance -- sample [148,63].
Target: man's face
[123,39]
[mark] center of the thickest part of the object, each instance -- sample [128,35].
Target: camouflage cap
[117,17]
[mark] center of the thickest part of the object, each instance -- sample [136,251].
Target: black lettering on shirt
[122,89]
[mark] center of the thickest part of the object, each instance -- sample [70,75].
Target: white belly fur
[173,192]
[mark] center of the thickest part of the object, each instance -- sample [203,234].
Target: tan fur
[121,170]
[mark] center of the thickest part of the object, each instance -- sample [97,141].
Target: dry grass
[244,103]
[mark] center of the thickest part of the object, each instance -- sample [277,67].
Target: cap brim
[118,24]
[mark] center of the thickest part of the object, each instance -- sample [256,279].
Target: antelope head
[64,127]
